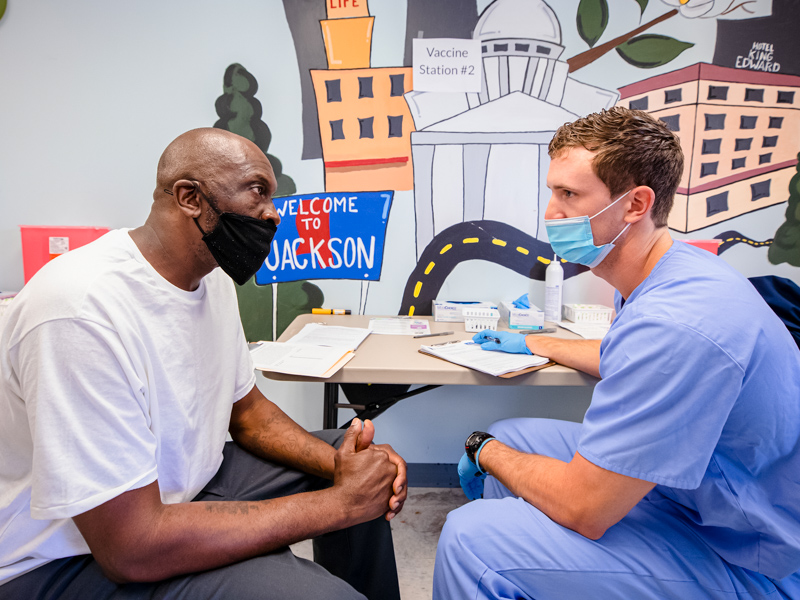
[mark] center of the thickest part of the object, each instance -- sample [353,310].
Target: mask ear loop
[612,204]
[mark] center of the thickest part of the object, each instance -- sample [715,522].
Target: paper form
[398,326]
[300,359]
[589,331]
[319,334]
[469,354]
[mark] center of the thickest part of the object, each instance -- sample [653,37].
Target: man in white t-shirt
[122,367]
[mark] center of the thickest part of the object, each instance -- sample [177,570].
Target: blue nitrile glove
[522,302]
[471,478]
[503,341]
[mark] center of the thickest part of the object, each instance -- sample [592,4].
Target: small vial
[553,290]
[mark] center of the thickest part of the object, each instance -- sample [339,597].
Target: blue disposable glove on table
[503,341]
[471,478]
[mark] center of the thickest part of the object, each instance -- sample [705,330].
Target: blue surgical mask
[572,239]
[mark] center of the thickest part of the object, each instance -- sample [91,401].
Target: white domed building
[484,155]
[520,46]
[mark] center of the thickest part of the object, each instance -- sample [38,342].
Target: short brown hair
[631,148]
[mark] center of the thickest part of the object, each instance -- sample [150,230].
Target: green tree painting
[786,245]
[240,112]
[645,51]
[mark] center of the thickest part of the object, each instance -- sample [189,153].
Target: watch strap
[478,455]
[474,443]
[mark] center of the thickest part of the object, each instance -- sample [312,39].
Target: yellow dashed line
[522,250]
[543,260]
[417,288]
[498,242]
[411,312]
[469,241]
[429,268]
[445,249]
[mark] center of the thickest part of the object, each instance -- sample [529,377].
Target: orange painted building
[364,121]
[740,135]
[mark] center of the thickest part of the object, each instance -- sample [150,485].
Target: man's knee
[462,527]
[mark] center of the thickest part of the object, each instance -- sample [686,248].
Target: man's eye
[567,194]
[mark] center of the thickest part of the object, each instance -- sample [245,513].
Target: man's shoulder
[696,294]
[73,283]
[695,282]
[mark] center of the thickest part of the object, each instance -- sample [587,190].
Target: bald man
[122,366]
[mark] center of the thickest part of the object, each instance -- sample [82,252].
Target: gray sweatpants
[347,563]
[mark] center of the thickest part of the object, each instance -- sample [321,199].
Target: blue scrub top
[701,395]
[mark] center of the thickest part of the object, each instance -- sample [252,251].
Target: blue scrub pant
[502,547]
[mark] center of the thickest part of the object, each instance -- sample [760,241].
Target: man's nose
[271,214]
[552,210]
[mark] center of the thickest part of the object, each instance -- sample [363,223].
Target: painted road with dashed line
[728,239]
[491,241]
[502,244]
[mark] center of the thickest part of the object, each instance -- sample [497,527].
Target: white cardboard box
[588,313]
[449,311]
[522,318]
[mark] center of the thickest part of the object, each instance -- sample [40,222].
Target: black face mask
[240,244]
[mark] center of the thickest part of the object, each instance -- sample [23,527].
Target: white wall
[94,90]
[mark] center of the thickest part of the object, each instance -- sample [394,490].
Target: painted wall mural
[476,163]
[265,311]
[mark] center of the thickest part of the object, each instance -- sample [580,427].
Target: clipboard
[528,370]
[508,375]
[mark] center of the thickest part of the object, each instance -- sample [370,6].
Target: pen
[330,311]
[546,330]
[433,334]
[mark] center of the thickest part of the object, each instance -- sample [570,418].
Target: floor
[416,532]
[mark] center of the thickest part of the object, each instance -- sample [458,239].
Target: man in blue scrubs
[683,481]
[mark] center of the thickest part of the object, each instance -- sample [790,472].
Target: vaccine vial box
[522,318]
[452,312]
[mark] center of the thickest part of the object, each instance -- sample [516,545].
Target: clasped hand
[502,341]
[373,475]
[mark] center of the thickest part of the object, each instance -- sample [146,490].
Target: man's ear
[187,198]
[641,203]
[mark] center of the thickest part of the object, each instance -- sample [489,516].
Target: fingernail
[395,505]
[390,516]
[400,489]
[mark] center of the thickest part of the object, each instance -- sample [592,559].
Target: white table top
[396,359]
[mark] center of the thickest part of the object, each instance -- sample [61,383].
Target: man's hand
[503,341]
[471,478]
[363,474]
[399,487]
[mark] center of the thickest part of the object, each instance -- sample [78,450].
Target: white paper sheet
[469,354]
[319,334]
[589,331]
[398,326]
[300,359]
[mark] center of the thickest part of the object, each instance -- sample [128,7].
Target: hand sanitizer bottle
[553,290]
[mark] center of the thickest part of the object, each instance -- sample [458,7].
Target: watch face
[474,441]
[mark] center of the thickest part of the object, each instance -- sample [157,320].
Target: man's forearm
[578,495]
[135,537]
[536,479]
[197,536]
[263,429]
[583,355]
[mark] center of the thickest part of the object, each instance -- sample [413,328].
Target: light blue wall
[94,90]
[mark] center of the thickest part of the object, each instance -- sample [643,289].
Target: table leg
[330,414]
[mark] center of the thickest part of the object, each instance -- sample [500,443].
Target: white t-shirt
[110,378]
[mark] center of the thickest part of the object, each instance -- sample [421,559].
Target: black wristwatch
[473,443]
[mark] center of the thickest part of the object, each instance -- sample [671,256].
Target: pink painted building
[740,134]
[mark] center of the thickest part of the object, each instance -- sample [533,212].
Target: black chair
[783,297]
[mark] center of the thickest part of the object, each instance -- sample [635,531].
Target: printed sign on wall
[447,65]
[328,236]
